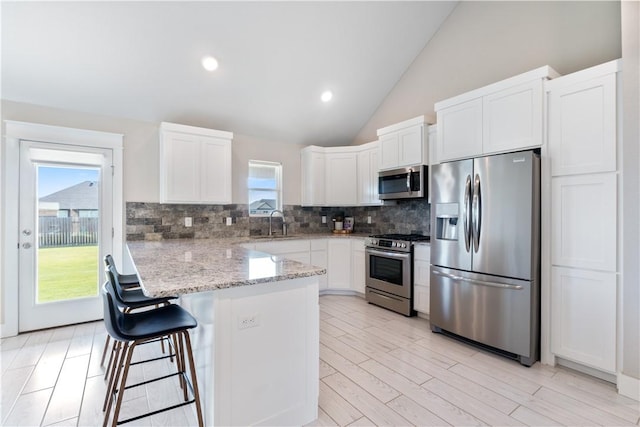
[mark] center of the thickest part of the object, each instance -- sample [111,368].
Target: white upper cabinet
[512,118]
[502,117]
[403,144]
[582,123]
[368,166]
[341,177]
[195,165]
[460,130]
[313,176]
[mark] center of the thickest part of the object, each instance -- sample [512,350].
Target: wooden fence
[71,231]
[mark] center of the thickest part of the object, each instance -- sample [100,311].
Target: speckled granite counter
[174,267]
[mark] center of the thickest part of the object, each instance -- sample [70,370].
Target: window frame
[278,190]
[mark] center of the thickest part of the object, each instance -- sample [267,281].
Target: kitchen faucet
[284,224]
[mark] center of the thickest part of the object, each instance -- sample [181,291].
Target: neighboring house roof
[263,204]
[80,196]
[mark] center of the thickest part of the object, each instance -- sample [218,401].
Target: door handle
[476,221]
[476,282]
[26,232]
[26,245]
[466,227]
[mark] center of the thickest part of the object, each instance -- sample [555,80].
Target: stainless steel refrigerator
[485,252]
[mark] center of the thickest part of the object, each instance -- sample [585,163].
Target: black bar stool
[130,298]
[126,280]
[170,322]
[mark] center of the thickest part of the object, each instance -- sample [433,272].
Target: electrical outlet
[229,220]
[368,220]
[188,221]
[251,321]
[324,219]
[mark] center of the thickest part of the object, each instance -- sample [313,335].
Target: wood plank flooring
[376,368]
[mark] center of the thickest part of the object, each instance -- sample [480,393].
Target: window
[265,187]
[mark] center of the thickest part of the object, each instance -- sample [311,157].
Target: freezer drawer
[494,311]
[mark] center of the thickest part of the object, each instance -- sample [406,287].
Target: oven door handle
[475,281]
[388,254]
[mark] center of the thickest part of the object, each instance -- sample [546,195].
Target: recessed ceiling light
[209,63]
[326,96]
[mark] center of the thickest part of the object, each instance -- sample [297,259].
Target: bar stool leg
[128,352]
[104,351]
[194,380]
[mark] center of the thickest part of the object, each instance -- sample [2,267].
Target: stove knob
[395,244]
[404,245]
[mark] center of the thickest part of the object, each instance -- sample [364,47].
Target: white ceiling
[141,60]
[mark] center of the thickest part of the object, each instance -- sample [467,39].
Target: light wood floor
[376,368]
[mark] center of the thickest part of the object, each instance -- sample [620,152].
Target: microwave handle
[409,182]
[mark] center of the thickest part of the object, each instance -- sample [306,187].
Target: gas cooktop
[405,237]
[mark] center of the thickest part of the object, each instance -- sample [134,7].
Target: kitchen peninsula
[256,344]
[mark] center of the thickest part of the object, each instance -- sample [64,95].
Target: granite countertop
[173,267]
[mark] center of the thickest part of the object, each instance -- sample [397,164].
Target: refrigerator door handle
[467,214]
[476,222]
[475,281]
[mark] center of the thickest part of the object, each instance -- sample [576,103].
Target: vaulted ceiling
[142,60]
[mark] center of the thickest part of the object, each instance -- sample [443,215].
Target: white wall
[484,42]
[141,151]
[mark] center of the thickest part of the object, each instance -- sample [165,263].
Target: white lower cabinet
[319,259]
[421,278]
[297,250]
[357,265]
[583,315]
[342,257]
[339,264]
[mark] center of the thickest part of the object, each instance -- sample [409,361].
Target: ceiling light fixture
[209,63]
[326,96]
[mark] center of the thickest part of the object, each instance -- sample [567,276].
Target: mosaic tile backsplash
[155,221]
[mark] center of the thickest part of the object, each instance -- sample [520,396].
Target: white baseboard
[629,386]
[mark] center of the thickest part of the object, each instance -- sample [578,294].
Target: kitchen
[141,145]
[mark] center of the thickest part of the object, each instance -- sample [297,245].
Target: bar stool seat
[170,322]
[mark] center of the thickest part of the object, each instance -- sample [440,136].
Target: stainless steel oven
[389,271]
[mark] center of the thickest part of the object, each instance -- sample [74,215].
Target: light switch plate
[229,220]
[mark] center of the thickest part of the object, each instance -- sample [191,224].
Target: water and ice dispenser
[447,221]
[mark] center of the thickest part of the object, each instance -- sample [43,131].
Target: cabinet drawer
[422,252]
[318,244]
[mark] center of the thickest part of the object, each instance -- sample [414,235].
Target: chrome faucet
[284,224]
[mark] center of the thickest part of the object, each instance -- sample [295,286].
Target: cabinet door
[583,221]
[368,177]
[358,268]
[389,151]
[216,170]
[410,142]
[460,131]
[342,179]
[180,168]
[583,312]
[582,126]
[313,178]
[339,264]
[319,259]
[512,118]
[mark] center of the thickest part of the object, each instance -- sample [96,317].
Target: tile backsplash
[155,221]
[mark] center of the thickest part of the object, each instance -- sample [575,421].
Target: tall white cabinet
[195,164]
[583,178]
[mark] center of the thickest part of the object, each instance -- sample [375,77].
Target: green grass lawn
[67,272]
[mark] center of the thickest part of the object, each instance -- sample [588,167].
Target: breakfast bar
[257,341]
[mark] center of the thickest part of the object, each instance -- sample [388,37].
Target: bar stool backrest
[111,312]
[108,261]
[112,277]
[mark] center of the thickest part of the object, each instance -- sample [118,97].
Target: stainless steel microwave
[403,183]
